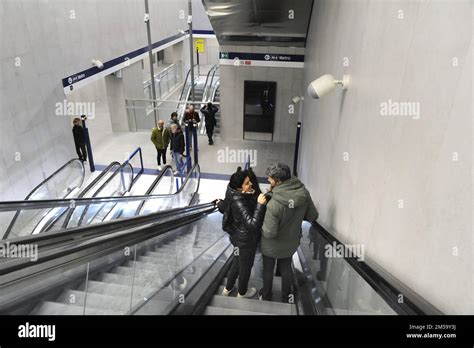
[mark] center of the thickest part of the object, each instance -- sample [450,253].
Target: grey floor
[120,145]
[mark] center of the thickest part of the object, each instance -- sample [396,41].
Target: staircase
[111,292]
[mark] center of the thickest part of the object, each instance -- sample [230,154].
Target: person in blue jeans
[177,147]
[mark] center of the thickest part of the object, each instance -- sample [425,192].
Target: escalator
[65,182]
[149,264]
[114,181]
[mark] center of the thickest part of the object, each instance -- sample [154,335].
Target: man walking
[160,136]
[209,112]
[289,205]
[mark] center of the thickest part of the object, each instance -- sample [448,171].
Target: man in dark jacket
[191,120]
[243,218]
[177,147]
[79,139]
[289,205]
[209,112]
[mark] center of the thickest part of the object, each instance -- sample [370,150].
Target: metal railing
[165,81]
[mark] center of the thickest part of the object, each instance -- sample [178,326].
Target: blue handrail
[134,178]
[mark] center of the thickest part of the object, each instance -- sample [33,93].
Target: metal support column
[150,57]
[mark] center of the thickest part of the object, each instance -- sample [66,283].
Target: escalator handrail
[109,231]
[119,170]
[77,234]
[15,217]
[52,203]
[80,195]
[387,286]
[184,86]
[206,87]
[154,184]
[88,188]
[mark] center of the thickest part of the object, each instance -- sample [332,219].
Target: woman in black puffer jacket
[243,219]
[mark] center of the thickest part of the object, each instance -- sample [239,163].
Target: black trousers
[286,277]
[81,152]
[241,267]
[161,153]
[210,133]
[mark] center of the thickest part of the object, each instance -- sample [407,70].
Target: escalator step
[211,310]
[249,305]
[55,308]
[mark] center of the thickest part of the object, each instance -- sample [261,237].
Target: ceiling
[260,22]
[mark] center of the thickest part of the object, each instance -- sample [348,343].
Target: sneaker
[160,167]
[226,292]
[249,294]
[175,172]
[260,294]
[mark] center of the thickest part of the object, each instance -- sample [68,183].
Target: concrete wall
[289,84]
[400,185]
[43,42]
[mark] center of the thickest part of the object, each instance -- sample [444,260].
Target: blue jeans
[178,160]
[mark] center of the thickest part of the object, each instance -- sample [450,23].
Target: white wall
[53,40]
[394,158]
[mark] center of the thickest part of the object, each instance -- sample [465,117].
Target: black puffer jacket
[243,218]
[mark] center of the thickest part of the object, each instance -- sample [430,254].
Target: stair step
[244,304]
[55,308]
[211,310]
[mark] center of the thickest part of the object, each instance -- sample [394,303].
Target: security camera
[97,63]
[326,84]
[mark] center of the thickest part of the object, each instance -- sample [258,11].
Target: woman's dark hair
[237,179]
[254,180]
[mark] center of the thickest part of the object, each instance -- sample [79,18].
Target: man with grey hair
[289,205]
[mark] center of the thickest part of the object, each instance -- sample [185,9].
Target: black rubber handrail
[106,232]
[387,286]
[12,223]
[77,234]
[52,203]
